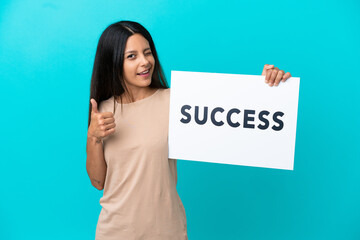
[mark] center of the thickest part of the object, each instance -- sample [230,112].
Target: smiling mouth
[144,72]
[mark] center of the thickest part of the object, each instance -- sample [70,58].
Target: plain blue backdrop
[47,49]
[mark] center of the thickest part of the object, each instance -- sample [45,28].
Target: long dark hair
[107,76]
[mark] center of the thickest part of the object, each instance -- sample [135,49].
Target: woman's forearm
[95,162]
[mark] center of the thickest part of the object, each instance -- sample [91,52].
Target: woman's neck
[136,94]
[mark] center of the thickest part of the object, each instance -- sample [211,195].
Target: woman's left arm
[273,75]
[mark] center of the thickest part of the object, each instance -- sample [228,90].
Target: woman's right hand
[101,124]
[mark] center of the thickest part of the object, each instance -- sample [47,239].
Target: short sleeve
[103,106]
[107,105]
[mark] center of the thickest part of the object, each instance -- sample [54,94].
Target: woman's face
[139,62]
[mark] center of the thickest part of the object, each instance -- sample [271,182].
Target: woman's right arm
[101,125]
[95,162]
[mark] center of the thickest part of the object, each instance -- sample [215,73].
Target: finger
[268,75]
[109,131]
[109,126]
[266,67]
[94,106]
[106,123]
[278,77]
[109,120]
[107,115]
[286,76]
[273,76]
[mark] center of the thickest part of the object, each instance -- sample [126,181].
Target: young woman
[127,147]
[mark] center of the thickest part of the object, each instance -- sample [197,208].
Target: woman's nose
[144,60]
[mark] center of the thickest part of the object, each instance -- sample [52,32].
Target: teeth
[145,72]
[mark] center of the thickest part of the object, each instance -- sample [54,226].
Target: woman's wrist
[94,138]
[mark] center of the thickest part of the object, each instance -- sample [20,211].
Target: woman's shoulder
[165,91]
[106,105]
[164,94]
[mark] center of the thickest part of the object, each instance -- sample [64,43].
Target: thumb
[94,106]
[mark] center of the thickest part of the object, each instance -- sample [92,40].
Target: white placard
[248,122]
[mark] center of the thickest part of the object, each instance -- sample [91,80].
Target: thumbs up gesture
[101,124]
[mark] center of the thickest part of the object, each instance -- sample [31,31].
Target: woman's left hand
[273,75]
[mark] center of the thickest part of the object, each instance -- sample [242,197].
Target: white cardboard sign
[233,119]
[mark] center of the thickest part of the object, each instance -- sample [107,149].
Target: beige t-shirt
[140,200]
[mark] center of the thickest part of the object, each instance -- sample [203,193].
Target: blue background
[47,50]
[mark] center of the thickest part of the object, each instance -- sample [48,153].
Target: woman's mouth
[145,73]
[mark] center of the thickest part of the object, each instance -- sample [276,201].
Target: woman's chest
[140,130]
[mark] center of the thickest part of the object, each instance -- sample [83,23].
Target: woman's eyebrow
[134,51]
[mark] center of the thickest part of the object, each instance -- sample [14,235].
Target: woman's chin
[144,81]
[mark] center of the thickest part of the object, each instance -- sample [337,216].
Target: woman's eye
[131,56]
[148,53]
